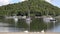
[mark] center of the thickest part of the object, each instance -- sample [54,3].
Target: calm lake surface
[4,27]
[9,25]
[55,28]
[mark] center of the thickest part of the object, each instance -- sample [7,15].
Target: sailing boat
[28,19]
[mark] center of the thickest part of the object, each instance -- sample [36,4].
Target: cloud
[48,1]
[4,2]
[22,0]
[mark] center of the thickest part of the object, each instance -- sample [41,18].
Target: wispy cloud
[22,0]
[48,1]
[5,2]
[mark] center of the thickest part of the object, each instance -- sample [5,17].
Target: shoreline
[29,33]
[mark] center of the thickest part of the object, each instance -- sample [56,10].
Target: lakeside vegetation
[36,8]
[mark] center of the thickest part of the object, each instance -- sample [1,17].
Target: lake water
[52,27]
[55,28]
[4,27]
[8,25]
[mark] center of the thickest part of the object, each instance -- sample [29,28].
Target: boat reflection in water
[50,20]
[12,24]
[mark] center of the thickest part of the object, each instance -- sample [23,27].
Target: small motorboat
[53,19]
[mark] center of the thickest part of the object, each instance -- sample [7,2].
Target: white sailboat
[28,19]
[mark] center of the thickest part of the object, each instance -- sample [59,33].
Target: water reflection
[10,25]
[54,29]
[4,27]
[37,24]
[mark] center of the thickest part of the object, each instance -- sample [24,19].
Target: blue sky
[54,2]
[5,2]
[15,1]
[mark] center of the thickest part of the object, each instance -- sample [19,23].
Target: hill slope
[36,7]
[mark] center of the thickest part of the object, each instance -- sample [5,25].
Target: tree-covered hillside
[36,7]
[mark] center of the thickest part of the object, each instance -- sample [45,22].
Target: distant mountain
[36,7]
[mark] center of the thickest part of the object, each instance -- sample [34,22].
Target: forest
[36,7]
